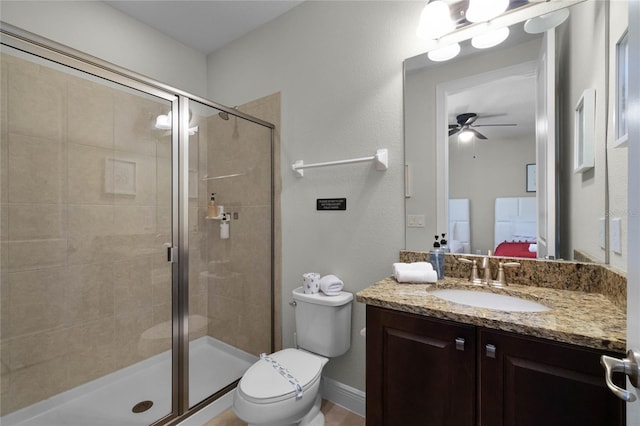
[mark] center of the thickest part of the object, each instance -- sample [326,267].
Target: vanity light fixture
[545,22]
[435,21]
[490,39]
[444,53]
[485,10]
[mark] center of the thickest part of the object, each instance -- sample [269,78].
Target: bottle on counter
[436,258]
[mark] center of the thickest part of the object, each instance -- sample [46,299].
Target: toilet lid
[263,384]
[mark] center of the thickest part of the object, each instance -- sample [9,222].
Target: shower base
[109,400]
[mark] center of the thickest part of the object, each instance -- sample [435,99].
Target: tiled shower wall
[239,269]
[85,208]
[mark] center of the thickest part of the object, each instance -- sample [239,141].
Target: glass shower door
[230,248]
[86,289]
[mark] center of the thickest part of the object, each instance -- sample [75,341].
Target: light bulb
[490,39]
[485,10]
[435,21]
[465,136]
[444,53]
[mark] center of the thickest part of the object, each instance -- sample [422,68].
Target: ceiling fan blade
[478,134]
[454,130]
[493,125]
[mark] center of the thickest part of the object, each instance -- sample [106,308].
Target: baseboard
[345,396]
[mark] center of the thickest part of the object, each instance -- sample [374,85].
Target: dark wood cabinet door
[420,371]
[532,382]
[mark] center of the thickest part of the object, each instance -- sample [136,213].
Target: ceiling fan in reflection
[465,124]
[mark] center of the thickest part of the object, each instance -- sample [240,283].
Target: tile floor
[334,416]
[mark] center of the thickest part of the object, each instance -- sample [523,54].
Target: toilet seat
[263,384]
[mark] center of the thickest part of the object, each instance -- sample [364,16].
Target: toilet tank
[323,323]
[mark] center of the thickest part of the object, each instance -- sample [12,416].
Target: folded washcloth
[533,248]
[331,285]
[416,276]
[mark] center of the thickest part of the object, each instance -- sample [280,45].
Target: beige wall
[581,46]
[484,170]
[82,275]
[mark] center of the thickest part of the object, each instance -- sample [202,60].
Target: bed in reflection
[515,227]
[459,226]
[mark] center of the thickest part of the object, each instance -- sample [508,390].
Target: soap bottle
[212,210]
[443,244]
[436,258]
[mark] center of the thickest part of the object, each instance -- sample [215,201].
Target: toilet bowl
[266,397]
[284,388]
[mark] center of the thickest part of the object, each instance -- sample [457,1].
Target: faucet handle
[501,279]
[474,270]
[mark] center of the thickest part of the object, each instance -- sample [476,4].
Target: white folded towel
[415,266]
[416,272]
[533,248]
[416,276]
[331,285]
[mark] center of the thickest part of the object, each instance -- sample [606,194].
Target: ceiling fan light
[490,39]
[545,22]
[485,10]
[465,136]
[444,53]
[435,21]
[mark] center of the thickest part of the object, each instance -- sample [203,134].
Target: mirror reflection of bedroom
[492,155]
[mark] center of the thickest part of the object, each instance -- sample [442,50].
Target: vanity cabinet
[419,371]
[426,371]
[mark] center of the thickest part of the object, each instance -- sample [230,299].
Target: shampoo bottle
[212,210]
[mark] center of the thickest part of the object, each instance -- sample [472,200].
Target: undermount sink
[486,300]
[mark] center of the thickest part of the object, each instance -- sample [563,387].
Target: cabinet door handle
[490,351]
[629,366]
[460,344]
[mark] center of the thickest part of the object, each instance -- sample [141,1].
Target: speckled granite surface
[564,275]
[576,317]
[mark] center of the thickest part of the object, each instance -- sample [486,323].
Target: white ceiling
[207,25]
[204,25]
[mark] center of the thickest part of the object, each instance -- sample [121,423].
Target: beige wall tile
[134,123]
[35,348]
[129,328]
[145,179]
[133,290]
[36,170]
[36,254]
[36,301]
[90,230]
[90,292]
[37,98]
[90,114]
[86,174]
[34,384]
[37,221]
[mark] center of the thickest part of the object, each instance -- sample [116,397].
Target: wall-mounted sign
[331,204]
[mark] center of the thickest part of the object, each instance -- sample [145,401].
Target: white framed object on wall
[622,91]
[584,132]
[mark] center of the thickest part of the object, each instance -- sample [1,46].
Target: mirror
[505,164]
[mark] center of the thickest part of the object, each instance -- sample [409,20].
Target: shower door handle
[172,252]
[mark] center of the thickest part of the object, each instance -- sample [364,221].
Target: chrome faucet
[501,280]
[487,277]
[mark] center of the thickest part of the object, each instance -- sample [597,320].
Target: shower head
[223,115]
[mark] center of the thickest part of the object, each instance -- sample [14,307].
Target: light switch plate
[615,234]
[415,221]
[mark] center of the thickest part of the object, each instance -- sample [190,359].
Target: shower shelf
[381,159]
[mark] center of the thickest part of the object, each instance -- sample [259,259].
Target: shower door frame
[178,252]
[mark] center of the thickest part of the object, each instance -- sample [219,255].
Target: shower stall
[125,299]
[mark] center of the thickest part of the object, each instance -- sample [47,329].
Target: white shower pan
[109,400]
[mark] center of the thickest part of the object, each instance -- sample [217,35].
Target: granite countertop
[576,317]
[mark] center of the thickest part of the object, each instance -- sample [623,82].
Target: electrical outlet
[615,234]
[415,221]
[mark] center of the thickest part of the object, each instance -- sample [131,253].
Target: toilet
[284,388]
